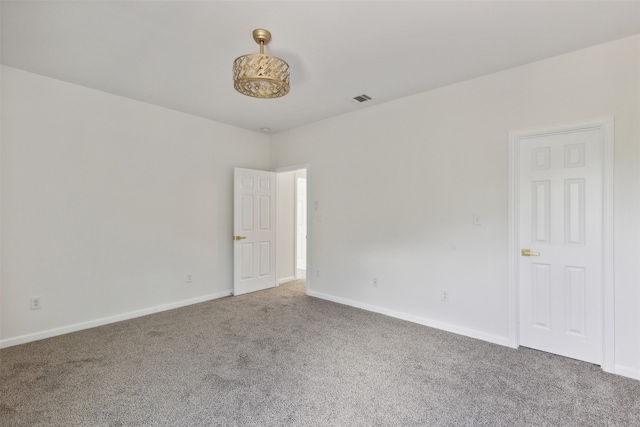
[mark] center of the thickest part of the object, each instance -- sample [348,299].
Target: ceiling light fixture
[260,75]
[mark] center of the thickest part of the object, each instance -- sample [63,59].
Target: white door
[301,223]
[254,207]
[560,205]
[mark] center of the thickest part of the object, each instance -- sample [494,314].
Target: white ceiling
[179,54]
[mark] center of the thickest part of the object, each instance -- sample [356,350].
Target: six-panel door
[254,231]
[560,208]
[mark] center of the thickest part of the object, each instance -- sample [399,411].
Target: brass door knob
[527,252]
[238,237]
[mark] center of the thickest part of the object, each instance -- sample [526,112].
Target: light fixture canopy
[260,75]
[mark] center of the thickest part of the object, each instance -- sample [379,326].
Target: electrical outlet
[375,282]
[189,278]
[36,303]
[477,219]
[444,296]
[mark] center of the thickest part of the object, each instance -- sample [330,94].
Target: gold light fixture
[260,75]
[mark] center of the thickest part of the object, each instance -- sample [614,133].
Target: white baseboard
[472,333]
[627,371]
[624,371]
[286,279]
[23,339]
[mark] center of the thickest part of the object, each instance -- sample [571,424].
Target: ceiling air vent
[362,98]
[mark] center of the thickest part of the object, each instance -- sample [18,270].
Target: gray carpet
[280,358]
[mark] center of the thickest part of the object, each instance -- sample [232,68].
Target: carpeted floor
[280,358]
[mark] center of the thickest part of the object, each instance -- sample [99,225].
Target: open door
[254,231]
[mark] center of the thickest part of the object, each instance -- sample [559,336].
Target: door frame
[293,168]
[606,127]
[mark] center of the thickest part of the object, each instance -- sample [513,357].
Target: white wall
[397,185]
[286,226]
[107,204]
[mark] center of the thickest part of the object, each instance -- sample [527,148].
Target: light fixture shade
[260,75]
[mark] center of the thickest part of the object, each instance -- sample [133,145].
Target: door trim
[606,127]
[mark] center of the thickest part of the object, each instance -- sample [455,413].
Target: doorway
[292,236]
[560,240]
[301,223]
